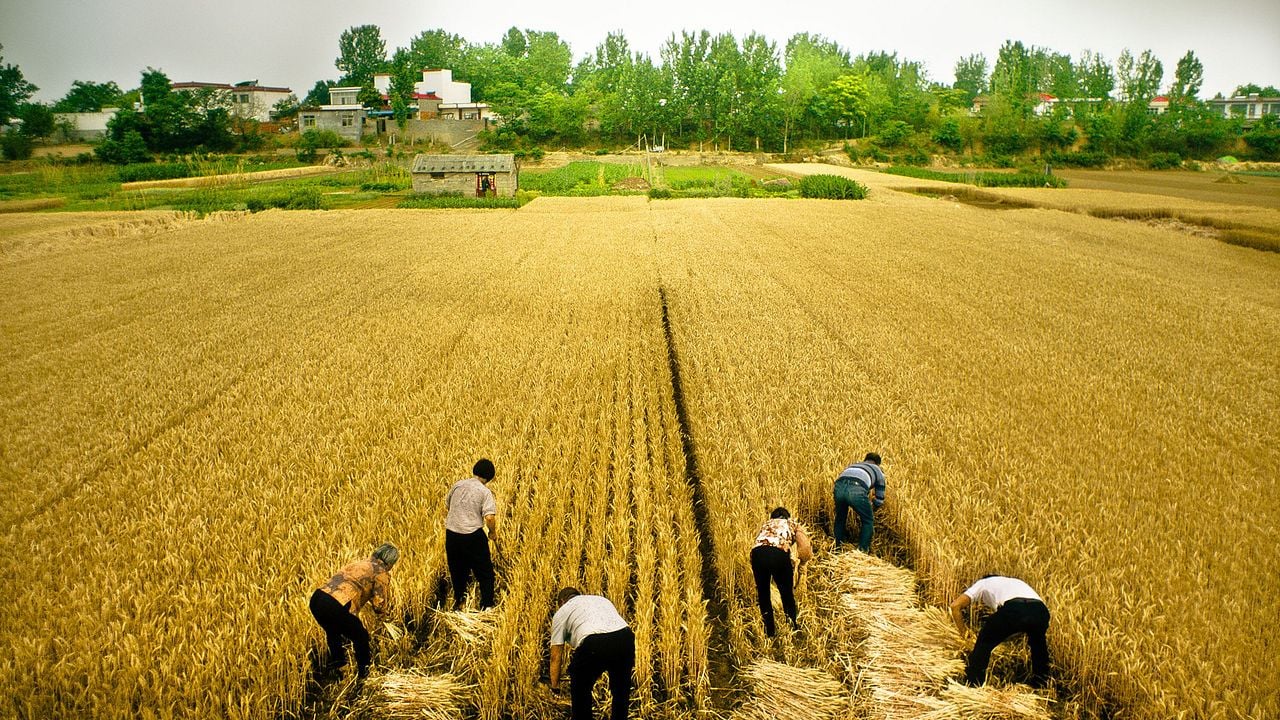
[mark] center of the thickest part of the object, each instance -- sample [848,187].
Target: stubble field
[202,418]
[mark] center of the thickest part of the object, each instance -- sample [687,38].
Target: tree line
[744,94]
[749,94]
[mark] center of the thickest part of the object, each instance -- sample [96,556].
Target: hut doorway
[486,184]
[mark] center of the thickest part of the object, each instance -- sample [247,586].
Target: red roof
[1160,98]
[1046,97]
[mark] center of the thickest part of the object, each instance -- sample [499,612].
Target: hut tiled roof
[464,163]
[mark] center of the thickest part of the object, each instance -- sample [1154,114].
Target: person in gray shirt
[854,490]
[602,642]
[472,509]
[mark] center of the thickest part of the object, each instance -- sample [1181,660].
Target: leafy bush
[1164,161]
[312,140]
[1264,139]
[1084,159]
[602,151]
[913,156]
[894,133]
[129,149]
[16,145]
[658,193]
[297,199]
[948,136]
[831,187]
[153,171]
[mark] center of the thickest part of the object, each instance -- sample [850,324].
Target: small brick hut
[470,175]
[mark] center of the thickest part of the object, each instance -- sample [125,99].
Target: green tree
[1094,76]
[37,120]
[1187,79]
[1014,81]
[1263,138]
[1140,77]
[14,90]
[89,97]
[319,93]
[361,53]
[848,98]
[971,76]
[1255,89]
[811,62]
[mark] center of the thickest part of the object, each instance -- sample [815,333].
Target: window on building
[308,121]
[348,119]
[437,176]
[470,116]
[242,98]
[1239,109]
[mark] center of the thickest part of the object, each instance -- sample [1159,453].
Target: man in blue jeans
[854,488]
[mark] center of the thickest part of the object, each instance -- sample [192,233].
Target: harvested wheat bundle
[871,579]
[419,695]
[466,639]
[997,703]
[786,692]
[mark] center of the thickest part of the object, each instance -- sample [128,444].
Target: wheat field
[202,418]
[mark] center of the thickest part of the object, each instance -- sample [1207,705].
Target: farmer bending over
[336,606]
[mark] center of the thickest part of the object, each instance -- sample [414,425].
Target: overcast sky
[294,44]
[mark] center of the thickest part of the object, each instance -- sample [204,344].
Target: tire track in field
[719,663]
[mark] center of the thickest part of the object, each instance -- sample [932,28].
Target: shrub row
[982,179]
[831,187]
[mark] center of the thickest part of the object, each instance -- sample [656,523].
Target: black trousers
[1020,615]
[339,626]
[469,554]
[613,653]
[773,564]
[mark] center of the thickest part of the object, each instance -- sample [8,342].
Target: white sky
[292,43]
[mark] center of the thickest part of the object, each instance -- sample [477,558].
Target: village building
[439,97]
[1250,108]
[247,100]
[85,125]
[344,114]
[467,175]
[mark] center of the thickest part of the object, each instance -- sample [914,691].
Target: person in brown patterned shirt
[336,606]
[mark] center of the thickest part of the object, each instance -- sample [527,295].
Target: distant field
[1206,186]
[192,408]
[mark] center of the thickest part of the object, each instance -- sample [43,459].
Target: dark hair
[483,469]
[872,458]
[779,512]
[567,594]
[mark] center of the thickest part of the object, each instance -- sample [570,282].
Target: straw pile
[786,692]
[467,638]
[420,696]
[910,654]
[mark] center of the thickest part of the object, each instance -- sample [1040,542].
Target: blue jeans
[852,494]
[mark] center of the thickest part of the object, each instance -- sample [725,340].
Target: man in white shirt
[472,509]
[1018,609]
[602,642]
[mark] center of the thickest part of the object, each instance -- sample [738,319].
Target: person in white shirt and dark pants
[1018,609]
[602,642]
[472,509]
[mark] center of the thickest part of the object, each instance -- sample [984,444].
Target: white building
[1250,107]
[87,125]
[438,95]
[247,100]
